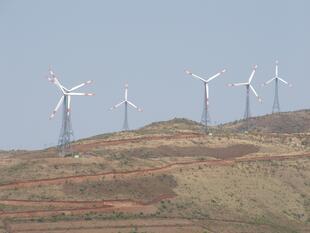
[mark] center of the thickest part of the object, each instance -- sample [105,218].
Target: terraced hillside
[166,177]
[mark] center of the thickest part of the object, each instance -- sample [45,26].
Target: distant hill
[176,124]
[285,122]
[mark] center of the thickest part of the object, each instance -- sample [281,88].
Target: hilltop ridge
[284,122]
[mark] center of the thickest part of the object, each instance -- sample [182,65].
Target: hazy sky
[147,44]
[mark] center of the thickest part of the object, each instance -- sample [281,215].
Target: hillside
[165,177]
[285,122]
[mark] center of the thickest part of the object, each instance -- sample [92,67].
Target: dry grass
[285,122]
[254,196]
[275,193]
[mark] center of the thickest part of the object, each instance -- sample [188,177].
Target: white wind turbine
[205,118]
[126,102]
[66,133]
[249,87]
[276,78]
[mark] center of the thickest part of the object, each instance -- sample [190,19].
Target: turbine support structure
[277,79]
[126,103]
[249,88]
[126,125]
[247,113]
[276,102]
[66,133]
[205,117]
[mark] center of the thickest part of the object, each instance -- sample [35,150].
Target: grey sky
[148,44]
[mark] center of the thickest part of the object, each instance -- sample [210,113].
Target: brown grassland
[166,177]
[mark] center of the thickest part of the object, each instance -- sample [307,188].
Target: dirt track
[79,207]
[164,225]
[84,204]
[80,178]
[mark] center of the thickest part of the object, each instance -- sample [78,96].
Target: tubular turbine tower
[66,132]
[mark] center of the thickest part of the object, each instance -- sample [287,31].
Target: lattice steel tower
[66,132]
[205,118]
[276,78]
[249,87]
[126,102]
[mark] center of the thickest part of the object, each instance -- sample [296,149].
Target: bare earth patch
[229,152]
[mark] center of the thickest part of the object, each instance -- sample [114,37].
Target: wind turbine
[205,118]
[249,87]
[66,132]
[276,78]
[126,102]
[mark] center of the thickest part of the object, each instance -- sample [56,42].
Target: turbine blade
[80,94]
[282,80]
[57,107]
[117,105]
[69,105]
[269,81]
[207,93]
[255,93]
[237,84]
[195,76]
[139,109]
[252,74]
[54,80]
[216,75]
[81,85]
[126,92]
[277,68]
[50,79]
